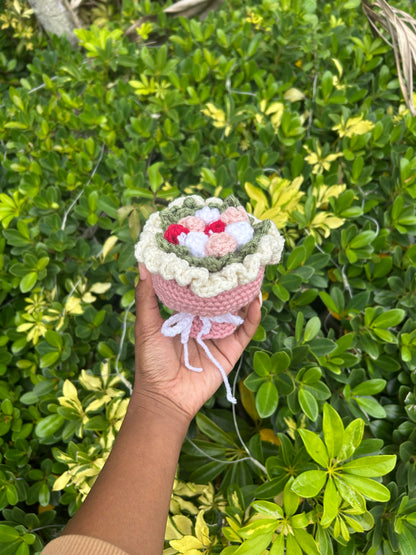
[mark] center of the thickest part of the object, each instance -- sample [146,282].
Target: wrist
[152,405]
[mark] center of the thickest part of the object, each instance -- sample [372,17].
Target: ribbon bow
[181,324]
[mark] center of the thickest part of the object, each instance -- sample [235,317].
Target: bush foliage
[293,106]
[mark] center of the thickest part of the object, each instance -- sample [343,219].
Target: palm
[160,361]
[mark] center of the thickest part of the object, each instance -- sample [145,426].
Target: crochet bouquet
[207,260]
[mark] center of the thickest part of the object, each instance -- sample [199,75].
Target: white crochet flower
[196,241]
[208,214]
[241,231]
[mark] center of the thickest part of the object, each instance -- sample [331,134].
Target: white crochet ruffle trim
[202,282]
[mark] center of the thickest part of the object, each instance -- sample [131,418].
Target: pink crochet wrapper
[182,299]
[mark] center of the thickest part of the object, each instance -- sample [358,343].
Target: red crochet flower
[215,227]
[173,231]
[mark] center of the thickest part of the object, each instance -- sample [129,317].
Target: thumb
[148,319]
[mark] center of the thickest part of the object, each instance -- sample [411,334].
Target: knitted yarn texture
[202,281]
[207,260]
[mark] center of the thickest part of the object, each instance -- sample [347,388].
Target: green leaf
[352,4]
[312,328]
[315,447]
[333,430]
[319,390]
[322,346]
[371,467]
[300,520]
[262,363]
[44,494]
[369,387]
[155,177]
[54,339]
[331,503]
[292,546]
[371,406]
[267,399]
[352,438]
[300,319]
[268,508]
[312,375]
[271,488]
[281,292]
[29,538]
[369,488]
[290,500]
[407,540]
[214,432]
[362,239]
[329,302]
[49,425]
[411,518]
[258,528]
[306,542]
[28,282]
[324,541]
[255,546]
[280,361]
[309,483]
[327,84]
[296,257]
[308,404]
[23,549]
[389,319]
[48,360]
[11,494]
[107,205]
[8,534]
[253,381]
[350,494]
[278,546]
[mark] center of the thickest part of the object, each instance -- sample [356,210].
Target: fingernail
[261,298]
[143,272]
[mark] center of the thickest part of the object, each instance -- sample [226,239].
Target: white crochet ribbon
[181,324]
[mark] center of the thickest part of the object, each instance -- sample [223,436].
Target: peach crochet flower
[232,215]
[220,244]
[193,223]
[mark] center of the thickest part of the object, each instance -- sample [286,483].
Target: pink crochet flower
[220,244]
[233,214]
[193,223]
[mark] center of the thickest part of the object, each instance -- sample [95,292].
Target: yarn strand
[181,324]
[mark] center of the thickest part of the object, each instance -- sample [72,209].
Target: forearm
[129,503]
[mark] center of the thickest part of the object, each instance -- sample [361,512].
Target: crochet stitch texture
[207,260]
[182,268]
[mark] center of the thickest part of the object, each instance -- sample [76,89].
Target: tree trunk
[55,18]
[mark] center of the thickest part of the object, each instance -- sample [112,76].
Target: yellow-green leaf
[371,467]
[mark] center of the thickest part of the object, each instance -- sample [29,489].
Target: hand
[160,370]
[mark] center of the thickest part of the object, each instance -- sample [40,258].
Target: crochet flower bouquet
[207,260]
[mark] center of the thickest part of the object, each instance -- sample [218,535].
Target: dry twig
[402,28]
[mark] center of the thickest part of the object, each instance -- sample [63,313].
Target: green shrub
[296,109]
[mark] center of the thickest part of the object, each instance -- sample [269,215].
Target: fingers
[148,319]
[251,322]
